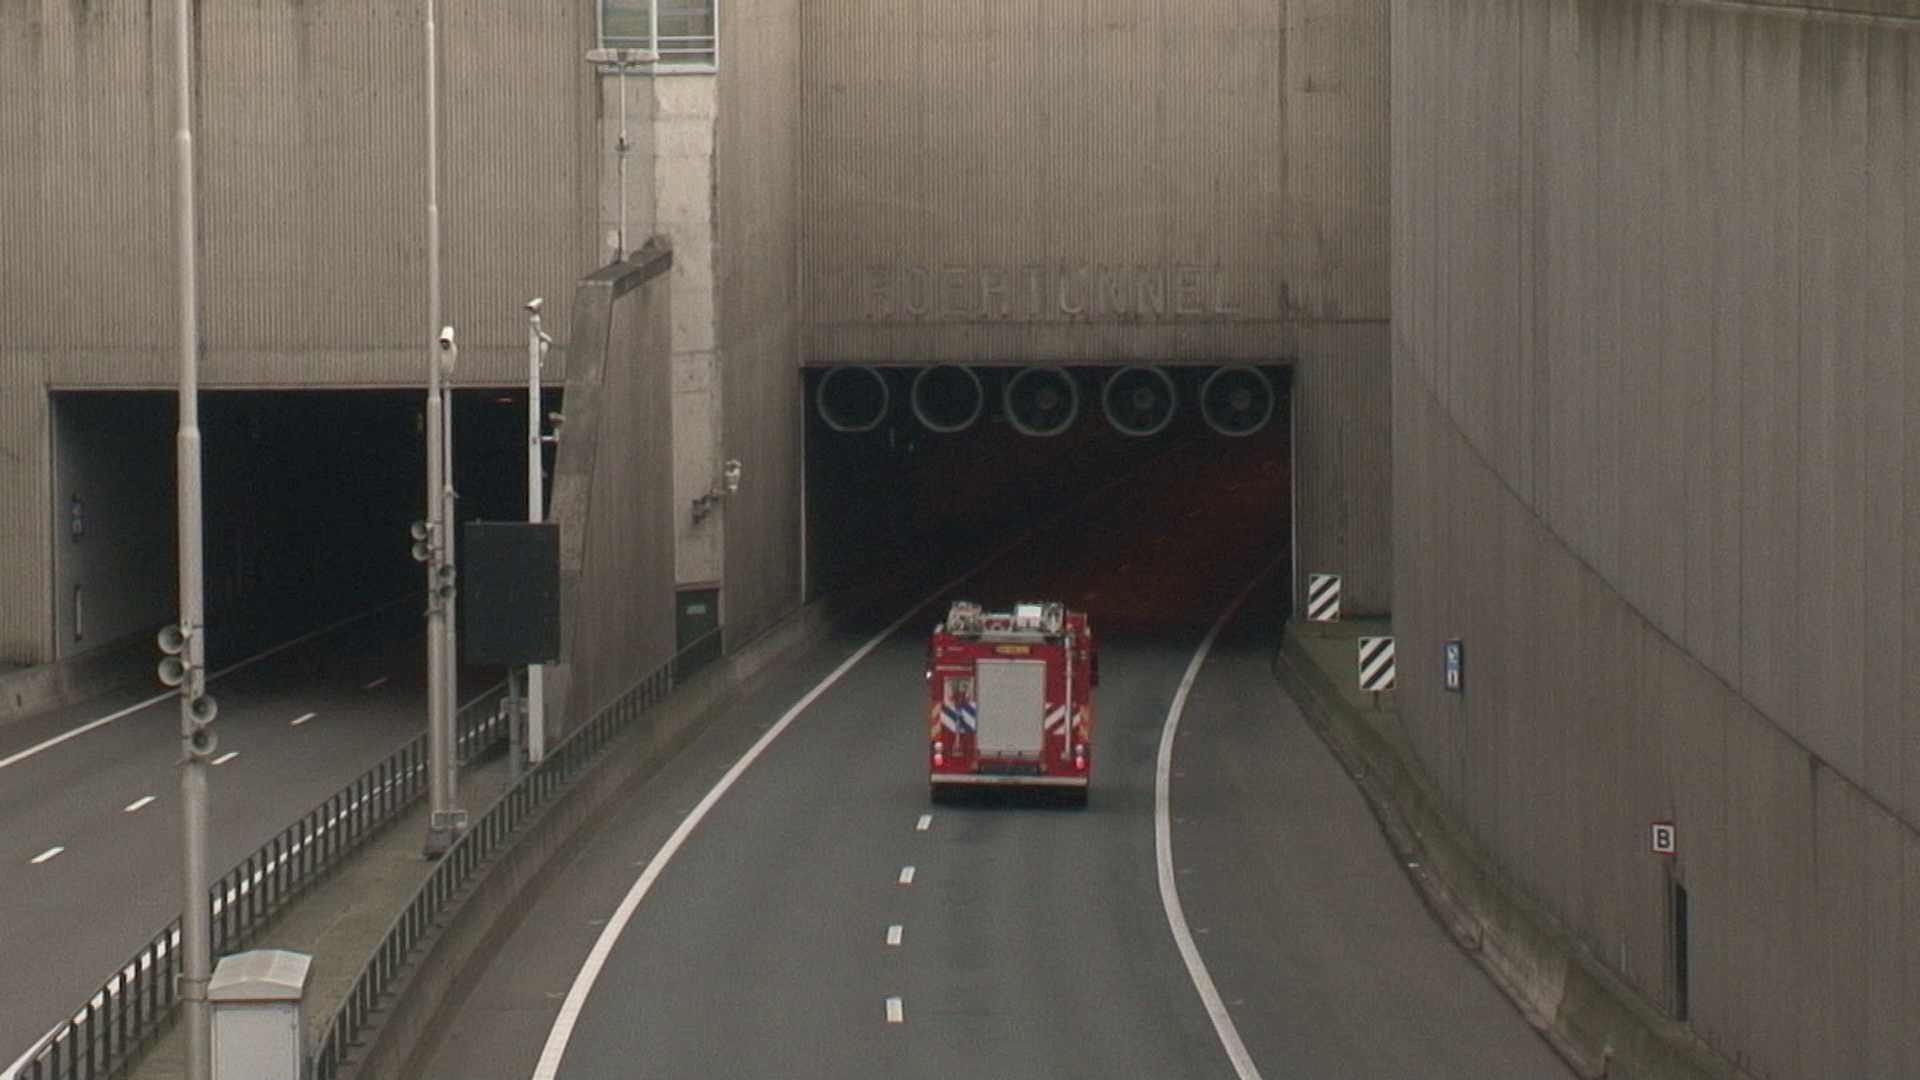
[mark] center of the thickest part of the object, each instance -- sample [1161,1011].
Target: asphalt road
[825,920]
[90,833]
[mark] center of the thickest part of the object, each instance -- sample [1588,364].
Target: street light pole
[537,341]
[444,820]
[623,59]
[188,640]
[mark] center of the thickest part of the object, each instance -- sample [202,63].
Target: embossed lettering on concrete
[957,293]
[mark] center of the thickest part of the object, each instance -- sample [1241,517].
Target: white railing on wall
[682,33]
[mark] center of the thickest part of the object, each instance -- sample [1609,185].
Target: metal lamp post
[445,820]
[185,644]
[537,342]
[623,59]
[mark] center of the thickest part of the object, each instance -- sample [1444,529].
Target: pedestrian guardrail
[106,1034]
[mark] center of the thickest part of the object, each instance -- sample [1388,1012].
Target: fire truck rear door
[1013,705]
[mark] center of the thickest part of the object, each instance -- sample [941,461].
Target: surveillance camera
[446,338]
[533,305]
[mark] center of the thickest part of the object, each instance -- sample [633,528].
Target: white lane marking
[298,720]
[1223,1025]
[226,757]
[896,1011]
[46,856]
[562,1031]
[925,823]
[157,699]
[83,729]
[375,684]
[895,933]
[137,805]
[906,875]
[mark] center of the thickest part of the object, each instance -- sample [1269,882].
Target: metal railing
[681,33]
[108,1032]
[568,759]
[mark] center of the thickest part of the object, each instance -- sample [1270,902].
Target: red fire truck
[1010,698]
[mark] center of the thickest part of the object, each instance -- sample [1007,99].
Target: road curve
[824,920]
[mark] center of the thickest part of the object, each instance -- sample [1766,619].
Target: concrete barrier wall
[1653,270]
[613,489]
[124,662]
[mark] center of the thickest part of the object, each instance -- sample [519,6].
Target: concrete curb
[30,690]
[404,1034]
[1599,1025]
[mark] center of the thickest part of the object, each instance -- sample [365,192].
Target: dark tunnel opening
[307,500]
[900,505]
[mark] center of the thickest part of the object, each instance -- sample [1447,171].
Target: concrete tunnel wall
[311,148]
[1653,465]
[1134,182]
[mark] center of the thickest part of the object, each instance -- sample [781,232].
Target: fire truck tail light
[939,753]
[1080,756]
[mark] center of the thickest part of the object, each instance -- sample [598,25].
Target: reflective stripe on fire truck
[963,719]
[1056,721]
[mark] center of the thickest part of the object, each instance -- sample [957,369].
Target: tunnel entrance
[914,472]
[307,500]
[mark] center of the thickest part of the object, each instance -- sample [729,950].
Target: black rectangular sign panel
[509,593]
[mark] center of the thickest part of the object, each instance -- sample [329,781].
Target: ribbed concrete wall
[26,534]
[1143,179]
[757,224]
[1654,270]
[311,140]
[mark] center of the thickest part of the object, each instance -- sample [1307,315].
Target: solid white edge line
[83,729]
[1223,1025]
[562,1031]
[211,676]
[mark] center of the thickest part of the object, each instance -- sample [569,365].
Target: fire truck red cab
[1010,698]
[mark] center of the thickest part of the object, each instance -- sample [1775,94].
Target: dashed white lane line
[137,805]
[375,684]
[925,823]
[896,1011]
[298,720]
[895,934]
[46,856]
[906,875]
[226,757]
